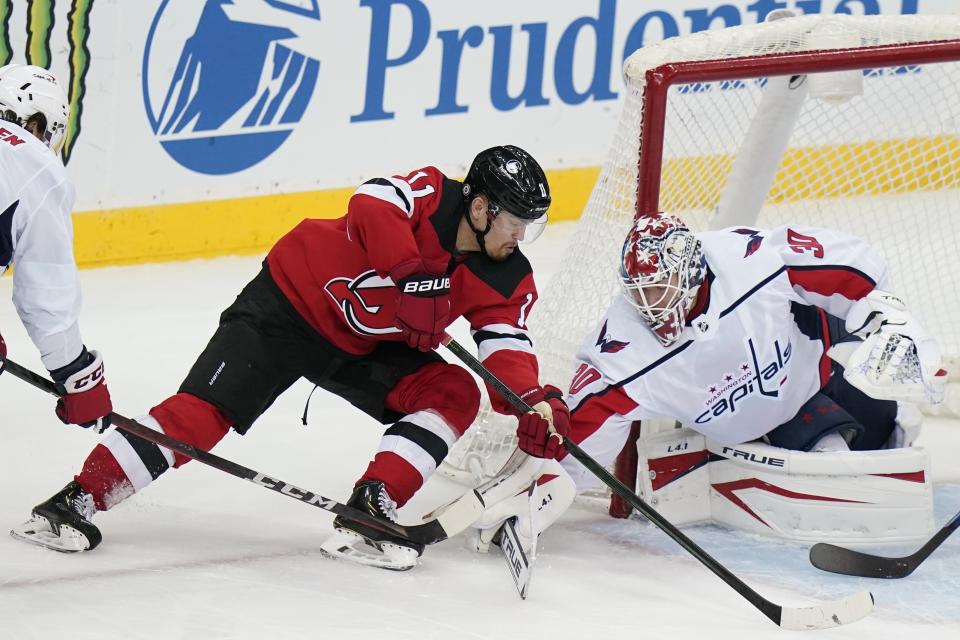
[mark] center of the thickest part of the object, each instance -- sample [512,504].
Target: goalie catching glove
[540,432]
[897,360]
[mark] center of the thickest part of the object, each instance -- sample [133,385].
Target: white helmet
[26,90]
[661,270]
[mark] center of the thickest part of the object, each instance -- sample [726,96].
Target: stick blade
[448,520]
[829,557]
[828,614]
[517,561]
[461,513]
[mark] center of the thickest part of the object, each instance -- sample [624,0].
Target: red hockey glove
[533,429]
[3,353]
[423,311]
[84,397]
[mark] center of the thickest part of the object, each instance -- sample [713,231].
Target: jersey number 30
[800,243]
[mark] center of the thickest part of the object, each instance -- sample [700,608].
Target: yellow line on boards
[241,226]
[163,233]
[870,168]
[244,226]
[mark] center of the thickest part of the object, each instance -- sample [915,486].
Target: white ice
[201,554]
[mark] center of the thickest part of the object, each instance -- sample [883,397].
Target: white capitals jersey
[747,362]
[36,236]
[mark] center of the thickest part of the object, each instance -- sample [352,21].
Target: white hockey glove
[897,360]
[554,493]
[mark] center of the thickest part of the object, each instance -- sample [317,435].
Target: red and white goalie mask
[661,269]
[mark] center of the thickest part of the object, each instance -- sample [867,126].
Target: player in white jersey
[728,331]
[36,238]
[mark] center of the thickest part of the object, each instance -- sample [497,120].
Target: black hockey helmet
[511,179]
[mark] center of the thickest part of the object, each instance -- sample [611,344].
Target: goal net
[849,122]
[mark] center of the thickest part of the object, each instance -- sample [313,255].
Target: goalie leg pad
[841,497]
[672,474]
[554,493]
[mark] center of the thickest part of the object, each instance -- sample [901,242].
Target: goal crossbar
[661,78]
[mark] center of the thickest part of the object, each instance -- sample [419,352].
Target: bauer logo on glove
[427,286]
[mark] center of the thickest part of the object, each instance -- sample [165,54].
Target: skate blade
[346,545]
[37,531]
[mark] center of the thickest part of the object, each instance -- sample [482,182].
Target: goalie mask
[31,97]
[661,269]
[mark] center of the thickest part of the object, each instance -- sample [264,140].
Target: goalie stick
[457,517]
[856,563]
[520,565]
[820,616]
[507,540]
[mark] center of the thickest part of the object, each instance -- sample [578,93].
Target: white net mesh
[884,164]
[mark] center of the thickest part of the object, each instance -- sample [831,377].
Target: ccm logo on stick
[293,491]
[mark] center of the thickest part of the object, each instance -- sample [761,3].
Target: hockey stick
[520,566]
[454,519]
[855,563]
[821,616]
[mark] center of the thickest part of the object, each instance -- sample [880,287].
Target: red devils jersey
[336,273]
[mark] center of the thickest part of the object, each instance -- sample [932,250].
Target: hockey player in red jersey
[356,305]
[36,236]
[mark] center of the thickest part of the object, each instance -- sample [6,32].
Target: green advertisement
[39,27]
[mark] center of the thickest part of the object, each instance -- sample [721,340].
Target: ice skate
[62,523]
[360,543]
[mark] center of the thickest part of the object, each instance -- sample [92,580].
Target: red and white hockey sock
[409,453]
[123,464]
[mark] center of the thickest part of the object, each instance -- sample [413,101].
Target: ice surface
[201,554]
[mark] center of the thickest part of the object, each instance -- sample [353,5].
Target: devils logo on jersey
[362,300]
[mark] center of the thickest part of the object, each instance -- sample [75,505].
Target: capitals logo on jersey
[362,301]
[226,81]
[609,345]
[752,379]
[754,240]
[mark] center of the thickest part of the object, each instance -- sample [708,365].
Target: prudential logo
[226,81]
